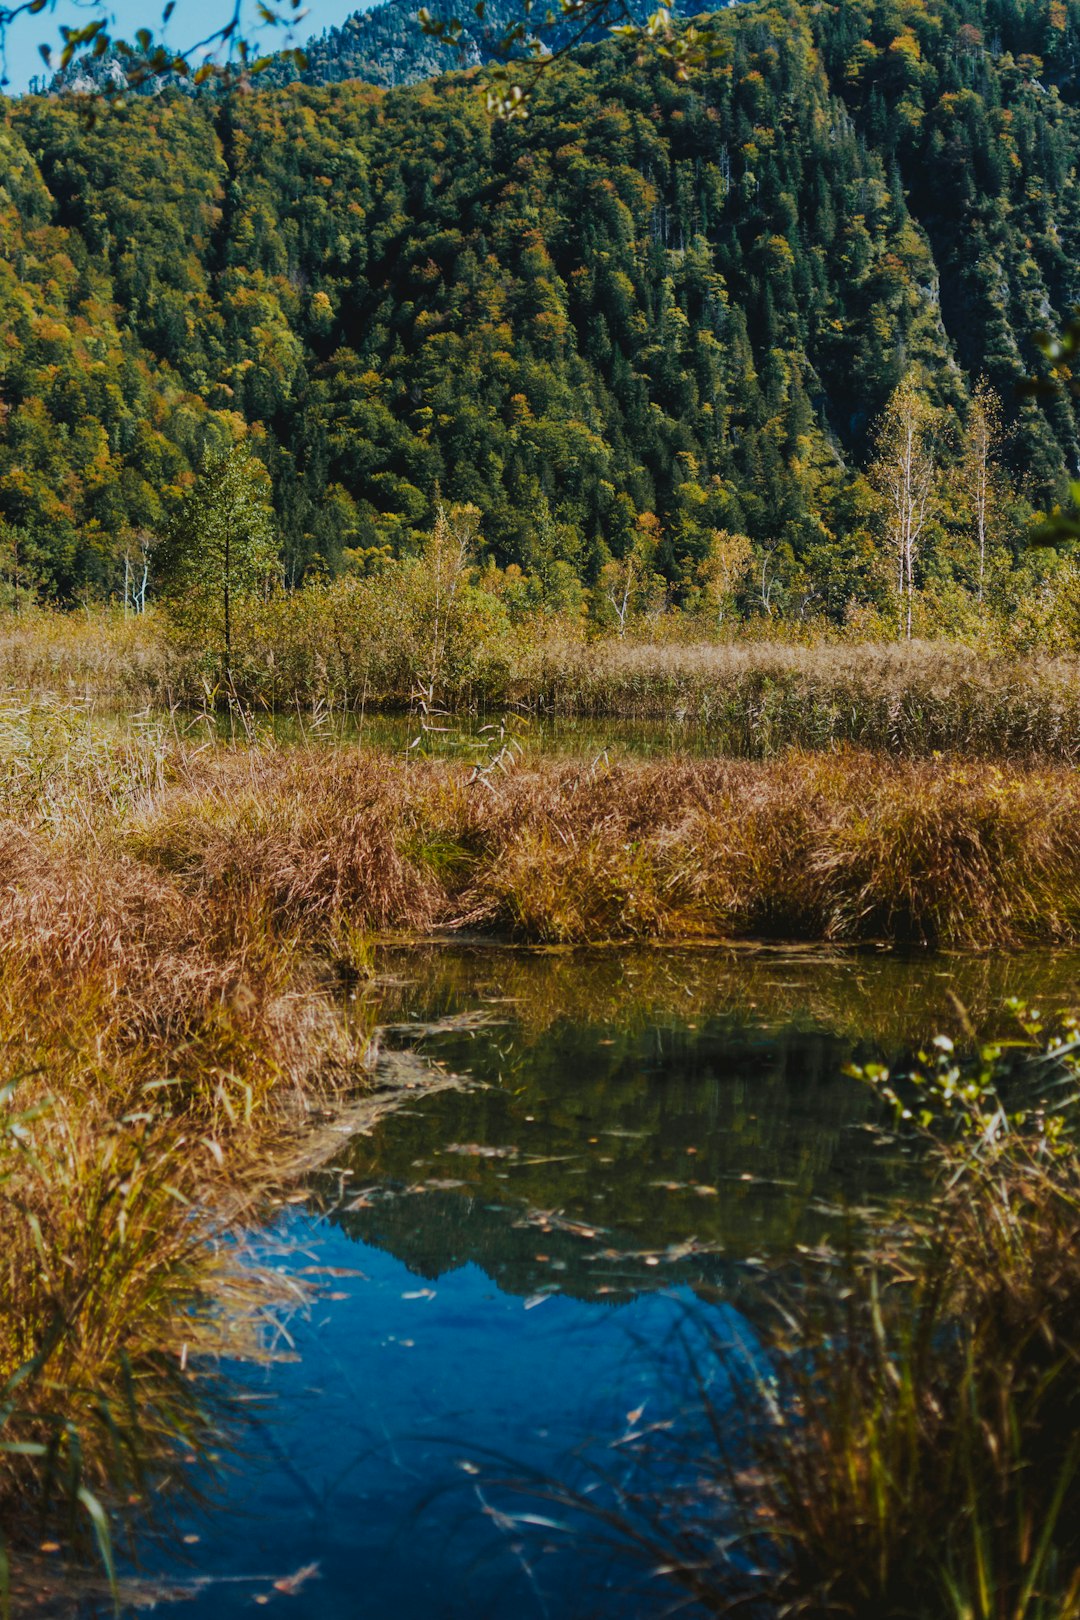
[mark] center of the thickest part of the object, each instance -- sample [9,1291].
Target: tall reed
[358,645]
[847,847]
[153,1050]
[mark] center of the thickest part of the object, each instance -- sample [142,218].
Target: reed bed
[756,699]
[117,1295]
[154,1051]
[337,650]
[97,653]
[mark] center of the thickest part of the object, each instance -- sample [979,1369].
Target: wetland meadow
[538,1163]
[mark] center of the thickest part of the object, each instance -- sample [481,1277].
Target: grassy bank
[751,698]
[157,1054]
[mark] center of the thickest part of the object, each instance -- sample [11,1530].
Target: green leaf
[102,1534]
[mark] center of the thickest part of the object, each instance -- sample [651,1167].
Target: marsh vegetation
[189,982]
[696,405]
[360,649]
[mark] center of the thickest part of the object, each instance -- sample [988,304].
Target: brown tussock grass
[109,959]
[157,1046]
[847,847]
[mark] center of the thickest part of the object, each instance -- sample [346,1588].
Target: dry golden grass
[100,653]
[154,1044]
[755,698]
[844,847]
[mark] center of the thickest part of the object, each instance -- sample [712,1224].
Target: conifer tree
[218,550]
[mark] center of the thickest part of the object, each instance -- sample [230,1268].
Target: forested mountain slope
[384,45]
[650,307]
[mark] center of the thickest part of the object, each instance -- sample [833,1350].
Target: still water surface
[623,1146]
[463,737]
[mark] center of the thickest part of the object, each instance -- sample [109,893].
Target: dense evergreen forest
[648,312]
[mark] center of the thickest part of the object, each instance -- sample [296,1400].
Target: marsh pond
[598,1162]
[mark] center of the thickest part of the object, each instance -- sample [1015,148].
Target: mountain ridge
[384,45]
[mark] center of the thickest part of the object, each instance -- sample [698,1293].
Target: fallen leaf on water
[479,1150]
[419,1293]
[534,1300]
[331,1271]
[291,1584]
[635,1415]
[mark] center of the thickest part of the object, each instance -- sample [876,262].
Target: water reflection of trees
[877,997]
[644,1118]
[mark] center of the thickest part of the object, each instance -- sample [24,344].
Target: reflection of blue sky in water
[357,1464]
[675,1144]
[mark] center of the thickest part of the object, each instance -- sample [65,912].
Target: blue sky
[192,20]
